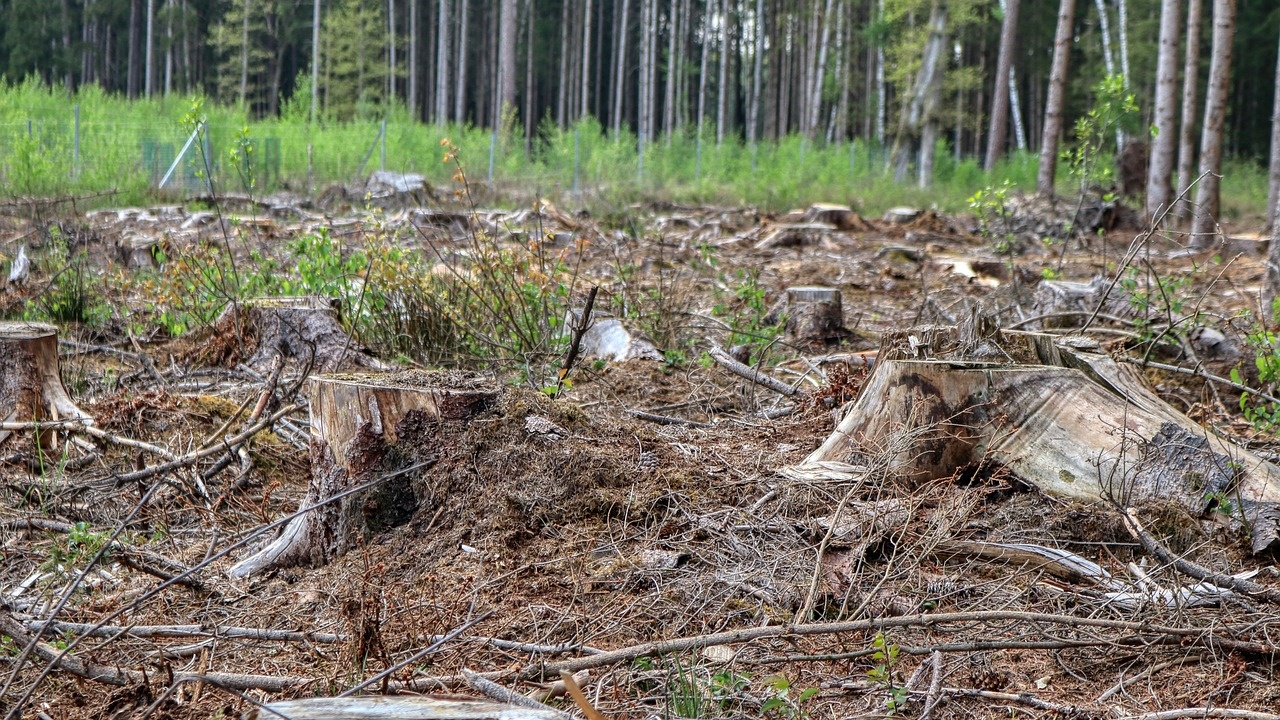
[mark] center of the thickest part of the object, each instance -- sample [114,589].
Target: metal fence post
[382,159]
[697,162]
[493,146]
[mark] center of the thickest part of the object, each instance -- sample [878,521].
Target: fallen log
[1071,423]
[306,329]
[363,426]
[398,708]
[31,389]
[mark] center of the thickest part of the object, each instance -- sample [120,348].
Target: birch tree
[506,59]
[1160,170]
[1215,117]
[1273,192]
[442,63]
[1190,85]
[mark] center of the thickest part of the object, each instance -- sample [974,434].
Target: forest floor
[614,531]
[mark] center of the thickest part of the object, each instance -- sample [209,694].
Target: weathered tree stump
[303,328]
[31,389]
[1071,423]
[814,316]
[367,428]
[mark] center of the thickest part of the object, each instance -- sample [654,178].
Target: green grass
[126,146]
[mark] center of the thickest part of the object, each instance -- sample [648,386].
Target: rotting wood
[723,360]
[356,423]
[813,316]
[1072,423]
[31,389]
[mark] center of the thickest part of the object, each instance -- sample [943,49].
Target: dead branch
[1197,372]
[1119,687]
[1203,713]
[148,562]
[1198,572]
[183,631]
[935,687]
[665,419]
[493,690]
[579,698]
[1022,699]
[749,373]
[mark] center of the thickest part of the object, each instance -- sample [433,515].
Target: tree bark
[1190,85]
[131,81]
[147,75]
[722,89]
[1056,101]
[31,389]
[413,60]
[1160,171]
[819,72]
[1273,191]
[619,68]
[1204,229]
[506,59]
[460,91]
[998,130]
[303,328]
[365,429]
[442,64]
[584,107]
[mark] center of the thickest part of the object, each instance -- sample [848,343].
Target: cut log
[1071,423]
[302,328]
[31,389]
[381,429]
[814,316]
[397,708]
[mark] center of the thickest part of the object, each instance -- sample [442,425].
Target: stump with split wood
[306,329]
[31,389]
[380,430]
[1060,416]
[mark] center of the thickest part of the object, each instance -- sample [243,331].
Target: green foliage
[990,205]
[1114,109]
[782,703]
[1262,414]
[72,294]
[78,546]
[885,673]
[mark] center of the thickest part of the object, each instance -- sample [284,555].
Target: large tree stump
[31,389]
[1073,424]
[304,328]
[367,428]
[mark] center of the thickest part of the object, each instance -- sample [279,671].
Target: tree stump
[1071,423]
[366,428]
[304,328]
[31,389]
[814,316]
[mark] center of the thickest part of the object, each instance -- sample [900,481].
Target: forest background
[775,102]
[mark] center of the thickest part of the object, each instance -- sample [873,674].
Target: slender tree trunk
[998,130]
[528,77]
[934,68]
[1104,29]
[460,90]
[753,112]
[1215,115]
[1273,193]
[442,64]
[1057,97]
[722,89]
[1122,19]
[413,59]
[168,50]
[244,55]
[391,51]
[1160,170]
[619,68]
[315,57]
[702,74]
[506,58]
[150,44]
[1190,85]
[819,73]
[131,81]
[584,92]
[669,91]
[882,110]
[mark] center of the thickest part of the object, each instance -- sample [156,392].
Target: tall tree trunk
[1056,101]
[442,64]
[669,91]
[413,59]
[528,77]
[506,59]
[1273,192]
[168,50]
[934,68]
[584,92]
[391,51]
[819,73]
[244,55]
[1215,116]
[131,72]
[702,74]
[562,89]
[753,112]
[315,57]
[1160,171]
[1122,19]
[1104,29]
[460,90]
[1190,85]
[882,110]
[722,89]
[998,130]
[147,63]
[620,68]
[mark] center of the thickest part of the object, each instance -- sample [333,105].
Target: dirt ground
[611,532]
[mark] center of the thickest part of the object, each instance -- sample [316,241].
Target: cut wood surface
[364,427]
[31,388]
[1073,424]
